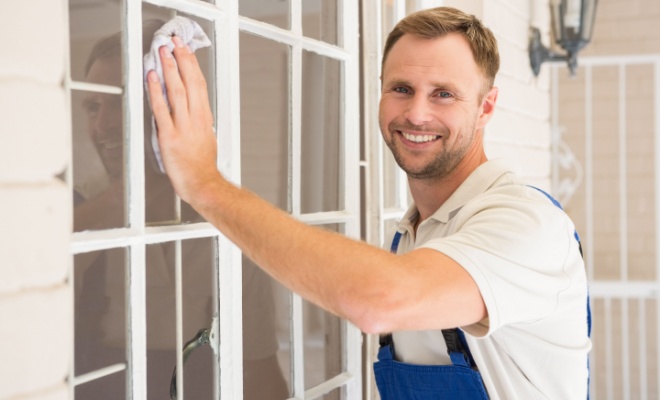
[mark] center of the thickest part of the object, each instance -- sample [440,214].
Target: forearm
[326,268]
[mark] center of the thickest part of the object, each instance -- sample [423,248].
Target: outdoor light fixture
[572,26]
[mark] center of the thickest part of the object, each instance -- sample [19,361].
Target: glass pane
[100,315]
[97,118]
[334,394]
[265,118]
[275,12]
[323,348]
[197,257]
[266,333]
[98,159]
[160,197]
[323,340]
[320,20]
[89,22]
[321,134]
[264,167]
[391,180]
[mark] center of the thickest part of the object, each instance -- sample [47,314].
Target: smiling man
[483,293]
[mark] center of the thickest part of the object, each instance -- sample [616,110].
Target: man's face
[432,104]
[104,115]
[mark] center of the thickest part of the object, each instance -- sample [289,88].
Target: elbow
[370,316]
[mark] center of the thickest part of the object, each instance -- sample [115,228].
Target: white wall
[35,302]
[520,129]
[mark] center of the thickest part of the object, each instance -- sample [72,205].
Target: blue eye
[445,95]
[401,90]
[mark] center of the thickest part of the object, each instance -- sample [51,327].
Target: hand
[185,134]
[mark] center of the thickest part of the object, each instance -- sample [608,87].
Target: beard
[439,166]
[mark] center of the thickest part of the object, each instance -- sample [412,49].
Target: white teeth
[419,138]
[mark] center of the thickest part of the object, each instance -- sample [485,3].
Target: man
[478,249]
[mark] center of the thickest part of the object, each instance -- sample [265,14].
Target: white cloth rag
[193,36]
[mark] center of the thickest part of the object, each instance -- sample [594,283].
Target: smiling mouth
[419,138]
[109,145]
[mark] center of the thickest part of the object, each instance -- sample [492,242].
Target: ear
[487,107]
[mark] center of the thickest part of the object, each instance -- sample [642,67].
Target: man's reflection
[101,310]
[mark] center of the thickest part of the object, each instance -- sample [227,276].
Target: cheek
[387,111]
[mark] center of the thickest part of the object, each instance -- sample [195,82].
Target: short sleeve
[516,250]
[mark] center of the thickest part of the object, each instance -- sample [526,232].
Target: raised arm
[377,291]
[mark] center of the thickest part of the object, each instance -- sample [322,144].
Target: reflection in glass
[89,22]
[97,118]
[266,333]
[321,134]
[265,118]
[98,156]
[160,198]
[197,260]
[264,168]
[323,340]
[323,345]
[320,20]
[274,12]
[100,315]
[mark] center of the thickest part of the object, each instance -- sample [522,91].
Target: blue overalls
[460,380]
[401,381]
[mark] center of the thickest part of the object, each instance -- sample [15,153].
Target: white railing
[625,360]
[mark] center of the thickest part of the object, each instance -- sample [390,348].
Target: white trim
[291,38]
[87,241]
[97,374]
[325,387]
[198,8]
[94,87]
[229,277]
[136,307]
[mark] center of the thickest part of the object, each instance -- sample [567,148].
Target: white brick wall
[520,129]
[35,302]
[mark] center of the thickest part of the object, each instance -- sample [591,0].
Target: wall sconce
[572,27]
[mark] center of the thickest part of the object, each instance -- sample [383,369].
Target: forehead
[447,58]
[106,71]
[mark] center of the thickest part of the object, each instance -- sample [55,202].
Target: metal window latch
[203,336]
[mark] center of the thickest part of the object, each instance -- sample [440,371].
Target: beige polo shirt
[521,251]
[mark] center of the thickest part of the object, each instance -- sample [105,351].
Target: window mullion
[295,112]
[229,277]
[134,178]
[348,13]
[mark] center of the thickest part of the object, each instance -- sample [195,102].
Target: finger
[159,106]
[191,75]
[176,91]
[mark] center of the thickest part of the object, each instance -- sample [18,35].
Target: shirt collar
[476,183]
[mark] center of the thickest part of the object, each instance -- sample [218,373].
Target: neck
[430,194]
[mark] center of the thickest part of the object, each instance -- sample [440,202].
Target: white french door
[149,273]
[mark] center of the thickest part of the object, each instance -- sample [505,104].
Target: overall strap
[458,349]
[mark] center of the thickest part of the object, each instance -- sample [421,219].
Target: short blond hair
[438,22]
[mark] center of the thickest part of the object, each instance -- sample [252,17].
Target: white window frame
[376,24]
[136,236]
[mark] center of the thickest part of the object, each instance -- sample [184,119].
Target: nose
[108,119]
[418,110]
